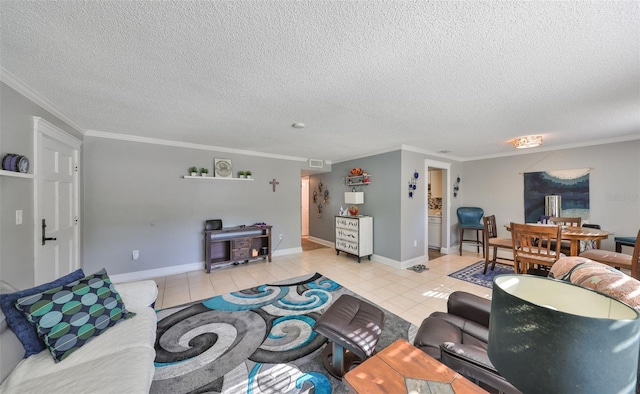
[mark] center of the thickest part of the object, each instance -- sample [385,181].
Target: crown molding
[408,148]
[189,145]
[580,144]
[415,149]
[368,154]
[16,84]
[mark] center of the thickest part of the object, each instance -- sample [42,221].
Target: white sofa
[119,360]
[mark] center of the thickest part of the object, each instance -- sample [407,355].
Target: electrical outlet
[281,236]
[135,254]
[19,216]
[415,242]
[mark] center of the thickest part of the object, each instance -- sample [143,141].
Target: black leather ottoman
[353,327]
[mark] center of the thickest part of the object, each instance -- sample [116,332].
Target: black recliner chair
[458,339]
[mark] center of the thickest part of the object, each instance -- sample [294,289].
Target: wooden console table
[393,369]
[235,244]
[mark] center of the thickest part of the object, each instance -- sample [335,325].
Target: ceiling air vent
[313,163]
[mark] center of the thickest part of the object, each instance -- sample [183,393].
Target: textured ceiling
[363,76]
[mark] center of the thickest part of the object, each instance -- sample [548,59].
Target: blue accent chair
[626,241]
[470,218]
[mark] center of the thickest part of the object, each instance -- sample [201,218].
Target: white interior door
[304,203]
[56,199]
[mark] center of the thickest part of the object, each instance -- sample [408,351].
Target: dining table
[575,234]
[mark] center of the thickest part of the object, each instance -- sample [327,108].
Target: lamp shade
[549,336]
[354,197]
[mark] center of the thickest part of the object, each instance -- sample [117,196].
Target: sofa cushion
[18,323]
[69,316]
[120,360]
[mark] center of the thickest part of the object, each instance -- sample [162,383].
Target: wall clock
[222,168]
[23,164]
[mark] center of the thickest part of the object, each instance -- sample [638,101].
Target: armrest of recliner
[473,362]
[470,307]
[469,353]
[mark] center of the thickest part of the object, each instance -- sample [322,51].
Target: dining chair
[491,240]
[470,218]
[615,259]
[532,245]
[565,221]
[565,246]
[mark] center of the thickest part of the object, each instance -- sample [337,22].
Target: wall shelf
[16,174]
[357,180]
[213,178]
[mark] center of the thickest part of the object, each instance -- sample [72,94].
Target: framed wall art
[222,168]
[571,185]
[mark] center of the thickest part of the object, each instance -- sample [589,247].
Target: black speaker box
[213,224]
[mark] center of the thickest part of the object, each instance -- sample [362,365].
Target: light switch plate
[18,216]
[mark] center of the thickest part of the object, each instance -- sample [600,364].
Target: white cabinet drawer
[348,223]
[350,247]
[347,234]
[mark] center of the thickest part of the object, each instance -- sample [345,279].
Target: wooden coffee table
[395,367]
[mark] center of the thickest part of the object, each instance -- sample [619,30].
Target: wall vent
[313,163]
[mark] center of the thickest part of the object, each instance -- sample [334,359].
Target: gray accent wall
[16,136]
[381,201]
[413,213]
[137,199]
[397,219]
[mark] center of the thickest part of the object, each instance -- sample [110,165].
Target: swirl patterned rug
[258,340]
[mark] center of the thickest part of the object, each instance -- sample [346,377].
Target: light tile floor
[408,294]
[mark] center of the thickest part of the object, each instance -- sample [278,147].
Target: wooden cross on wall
[274,183]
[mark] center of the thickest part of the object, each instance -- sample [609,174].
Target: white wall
[16,136]
[497,185]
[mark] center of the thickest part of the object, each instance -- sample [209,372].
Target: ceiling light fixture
[298,125]
[529,141]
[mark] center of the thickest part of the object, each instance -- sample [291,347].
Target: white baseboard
[287,251]
[322,241]
[503,254]
[178,269]
[449,250]
[157,272]
[399,264]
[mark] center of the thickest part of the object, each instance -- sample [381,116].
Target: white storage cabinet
[354,235]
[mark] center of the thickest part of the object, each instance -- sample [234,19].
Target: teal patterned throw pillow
[69,316]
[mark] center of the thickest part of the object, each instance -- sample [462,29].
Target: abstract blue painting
[572,185]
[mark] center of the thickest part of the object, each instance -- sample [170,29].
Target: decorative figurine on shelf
[356,171]
[353,210]
[343,212]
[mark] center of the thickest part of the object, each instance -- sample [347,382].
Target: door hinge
[76,168]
